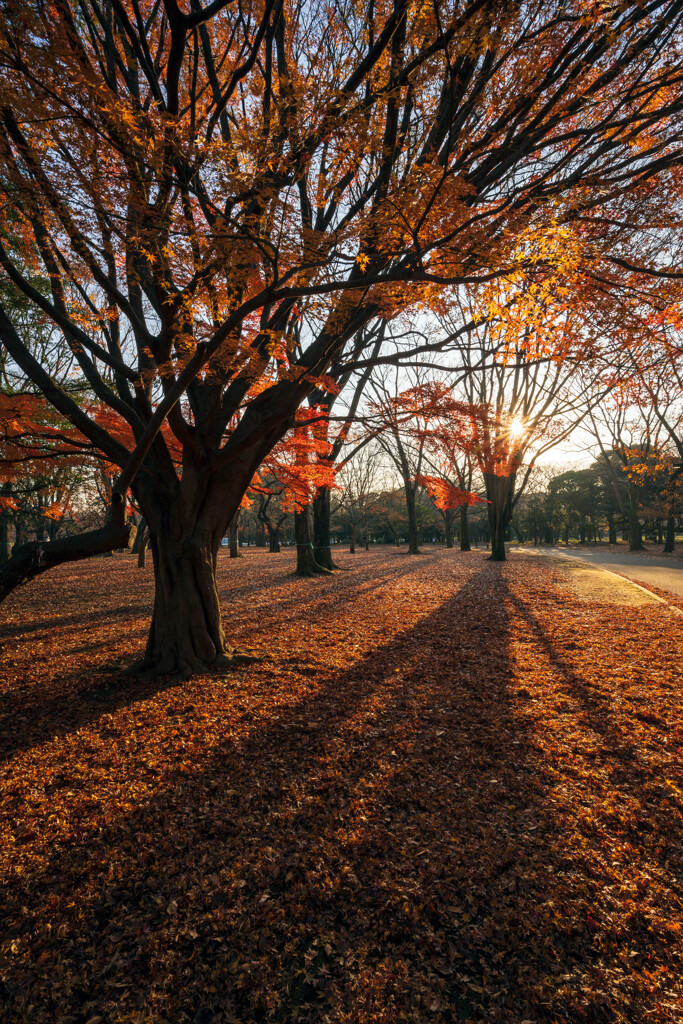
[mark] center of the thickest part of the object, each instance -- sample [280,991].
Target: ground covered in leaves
[449,791]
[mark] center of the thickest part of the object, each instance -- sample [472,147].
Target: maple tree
[192,182]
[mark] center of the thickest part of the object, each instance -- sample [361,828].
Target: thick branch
[37,557]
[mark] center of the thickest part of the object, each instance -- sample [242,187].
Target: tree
[526,387]
[358,493]
[190,181]
[402,421]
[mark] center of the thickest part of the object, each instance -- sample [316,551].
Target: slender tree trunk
[499,490]
[582,533]
[306,564]
[143,534]
[40,530]
[413,546]
[635,531]
[352,545]
[612,530]
[234,537]
[321,529]
[464,529]
[448,527]
[367,541]
[670,544]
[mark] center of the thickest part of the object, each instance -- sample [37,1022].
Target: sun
[516,428]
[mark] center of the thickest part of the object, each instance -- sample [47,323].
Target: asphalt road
[665,573]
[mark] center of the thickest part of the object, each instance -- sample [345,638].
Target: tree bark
[142,548]
[499,491]
[670,544]
[306,564]
[352,546]
[233,535]
[186,634]
[635,531]
[273,538]
[448,527]
[141,534]
[413,546]
[322,549]
[612,530]
[464,529]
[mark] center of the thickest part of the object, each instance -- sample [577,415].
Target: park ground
[447,790]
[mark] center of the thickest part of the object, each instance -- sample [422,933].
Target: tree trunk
[186,634]
[306,564]
[413,546]
[233,535]
[612,529]
[464,529]
[352,546]
[670,544]
[582,533]
[321,529]
[448,527]
[635,531]
[273,538]
[499,491]
[143,534]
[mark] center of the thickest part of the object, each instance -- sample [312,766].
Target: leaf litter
[446,791]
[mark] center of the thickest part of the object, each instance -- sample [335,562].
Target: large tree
[190,181]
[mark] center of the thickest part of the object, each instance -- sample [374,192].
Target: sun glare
[516,427]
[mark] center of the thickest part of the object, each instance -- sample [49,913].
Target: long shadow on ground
[388,848]
[34,715]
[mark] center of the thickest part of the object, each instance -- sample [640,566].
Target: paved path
[665,573]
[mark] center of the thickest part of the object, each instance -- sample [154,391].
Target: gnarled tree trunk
[186,634]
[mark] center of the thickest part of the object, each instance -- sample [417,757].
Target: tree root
[179,671]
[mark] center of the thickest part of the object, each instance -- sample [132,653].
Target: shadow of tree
[392,844]
[39,712]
